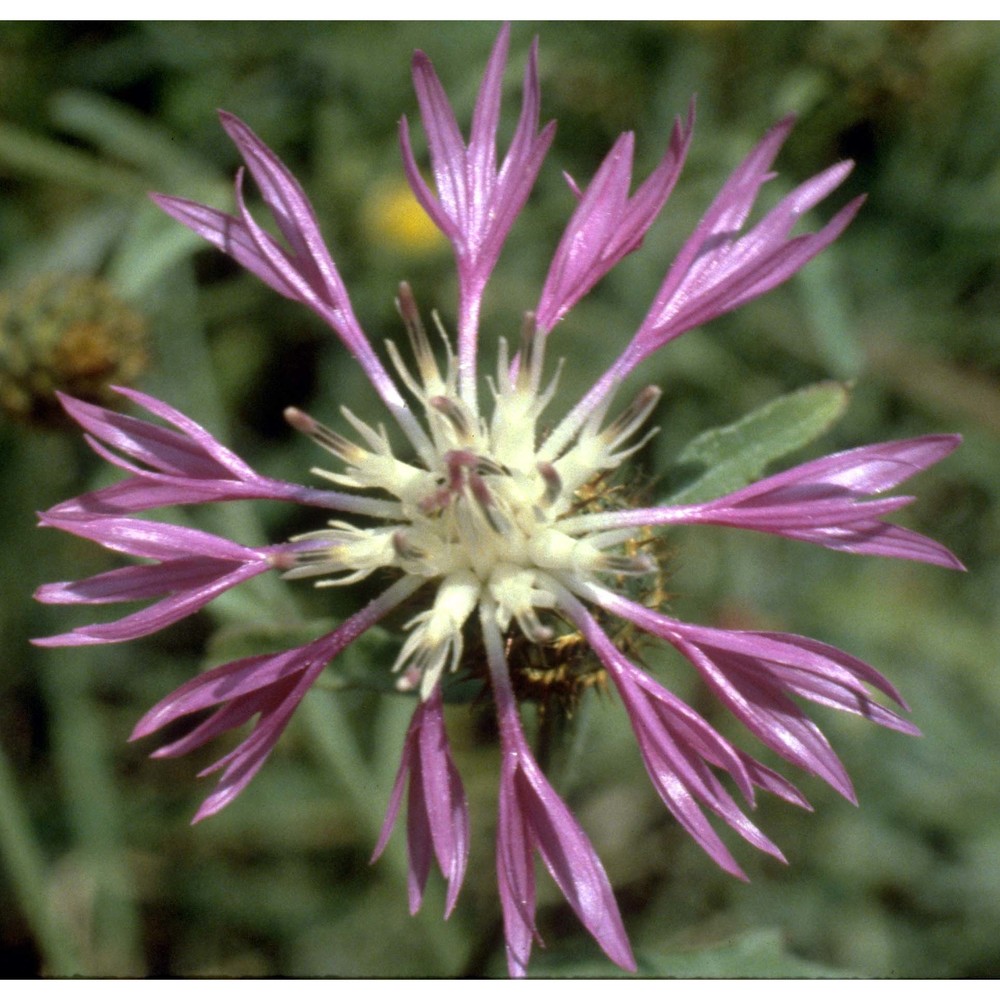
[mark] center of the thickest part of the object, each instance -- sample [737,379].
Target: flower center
[483,517]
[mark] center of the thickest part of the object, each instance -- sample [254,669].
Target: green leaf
[36,155]
[726,458]
[366,663]
[123,134]
[238,641]
[758,954]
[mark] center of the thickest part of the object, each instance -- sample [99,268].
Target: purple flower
[484,524]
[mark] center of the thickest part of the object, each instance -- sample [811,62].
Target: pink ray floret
[753,674]
[303,270]
[679,749]
[476,202]
[184,465]
[192,568]
[437,816]
[825,502]
[270,685]
[608,224]
[719,267]
[531,817]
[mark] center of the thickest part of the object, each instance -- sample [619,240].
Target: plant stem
[29,878]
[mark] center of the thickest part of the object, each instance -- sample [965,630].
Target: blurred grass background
[102,873]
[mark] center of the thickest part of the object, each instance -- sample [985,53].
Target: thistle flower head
[489,523]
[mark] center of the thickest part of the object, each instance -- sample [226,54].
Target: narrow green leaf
[727,458]
[84,761]
[122,133]
[760,954]
[38,156]
[29,877]
[234,642]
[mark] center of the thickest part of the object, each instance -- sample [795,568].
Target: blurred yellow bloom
[395,216]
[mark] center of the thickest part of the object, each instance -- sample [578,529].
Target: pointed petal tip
[421,63]
[55,517]
[209,808]
[502,41]
[45,641]
[232,124]
[843,168]
[941,446]
[176,207]
[692,113]
[138,733]
[151,722]
[74,638]
[72,405]
[846,215]
[414,904]
[219,799]
[724,860]
[627,960]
